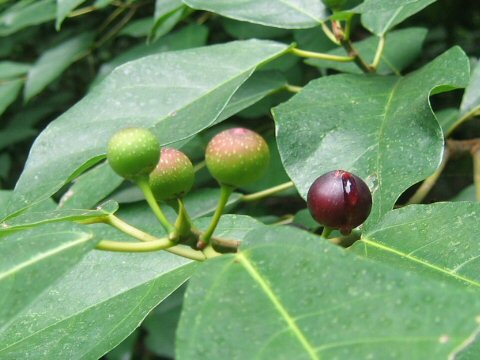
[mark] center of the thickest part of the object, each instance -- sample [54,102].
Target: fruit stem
[155,245]
[225,192]
[267,192]
[293,89]
[183,225]
[321,56]
[326,232]
[147,192]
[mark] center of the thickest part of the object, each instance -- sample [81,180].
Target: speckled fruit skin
[133,152]
[339,200]
[237,157]
[173,176]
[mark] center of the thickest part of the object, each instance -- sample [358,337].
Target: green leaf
[162,323]
[9,91]
[32,219]
[231,227]
[91,188]
[438,240]
[138,28]
[289,14]
[203,202]
[379,16]
[448,119]
[402,47]
[95,306]
[26,13]
[167,14]
[175,94]
[471,98]
[126,349]
[317,302]
[467,194]
[11,69]
[243,30]
[366,125]
[188,37]
[54,61]
[258,86]
[64,7]
[11,135]
[32,261]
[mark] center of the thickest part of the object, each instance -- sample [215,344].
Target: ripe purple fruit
[237,157]
[173,176]
[133,152]
[339,200]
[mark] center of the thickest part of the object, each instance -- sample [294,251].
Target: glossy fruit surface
[173,176]
[237,157]
[339,200]
[133,152]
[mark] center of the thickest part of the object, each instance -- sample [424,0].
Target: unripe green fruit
[237,157]
[173,176]
[133,152]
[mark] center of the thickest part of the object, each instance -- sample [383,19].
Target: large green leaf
[99,302]
[380,128]
[379,16]
[290,295]
[32,219]
[176,94]
[402,47]
[26,13]
[289,14]
[94,307]
[33,260]
[64,7]
[438,239]
[54,61]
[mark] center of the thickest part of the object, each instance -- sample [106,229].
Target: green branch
[321,56]
[267,192]
[155,245]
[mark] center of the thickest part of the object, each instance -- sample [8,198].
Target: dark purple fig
[339,200]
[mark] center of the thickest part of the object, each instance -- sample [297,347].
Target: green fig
[237,157]
[133,152]
[173,176]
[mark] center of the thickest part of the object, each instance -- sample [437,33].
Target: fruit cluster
[235,157]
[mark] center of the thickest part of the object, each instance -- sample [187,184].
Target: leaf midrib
[422,262]
[255,274]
